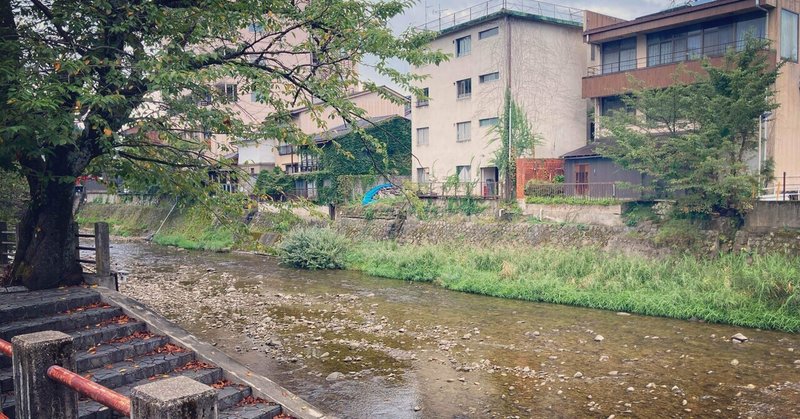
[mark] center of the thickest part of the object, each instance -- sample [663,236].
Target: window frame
[461,169]
[467,88]
[488,33]
[482,79]
[427,131]
[425,172]
[468,131]
[488,122]
[796,16]
[468,50]
[282,149]
[424,102]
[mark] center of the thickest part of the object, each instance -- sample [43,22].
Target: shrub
[275,184]
[540,188]
[313,248]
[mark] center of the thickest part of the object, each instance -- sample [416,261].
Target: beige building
[533,49]
[650,48]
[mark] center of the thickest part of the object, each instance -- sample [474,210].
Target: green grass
[742,290]
[570,200]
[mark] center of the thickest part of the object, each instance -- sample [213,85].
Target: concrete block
[36,395]
[174,398]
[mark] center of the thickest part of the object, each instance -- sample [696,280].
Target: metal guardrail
[484,190]
[538,8]
[8,243]
[674,57]
[784,188]
[589,191]
[87,388]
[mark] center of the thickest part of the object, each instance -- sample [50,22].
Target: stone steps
[115,351]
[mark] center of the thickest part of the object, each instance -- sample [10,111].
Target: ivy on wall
[352,164]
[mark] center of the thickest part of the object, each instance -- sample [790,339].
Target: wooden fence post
[102,250]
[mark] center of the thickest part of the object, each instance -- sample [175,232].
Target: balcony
[614,79]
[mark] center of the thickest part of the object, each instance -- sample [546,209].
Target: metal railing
[85,387]
[674,57]
[784,188]
[538,8]
[485,190]
[590,191]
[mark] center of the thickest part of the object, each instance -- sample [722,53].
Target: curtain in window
[789,35]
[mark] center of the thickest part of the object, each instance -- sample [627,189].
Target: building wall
[782,128]
[783,131]
[605,172]
[548,61]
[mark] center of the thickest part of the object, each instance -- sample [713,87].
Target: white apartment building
[532,48]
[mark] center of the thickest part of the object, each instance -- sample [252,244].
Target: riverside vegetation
[738,289]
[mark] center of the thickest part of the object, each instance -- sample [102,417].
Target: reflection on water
[415,350]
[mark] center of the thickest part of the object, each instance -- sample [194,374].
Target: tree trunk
[47,236]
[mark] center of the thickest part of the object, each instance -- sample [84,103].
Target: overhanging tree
[76,74]
[695,138]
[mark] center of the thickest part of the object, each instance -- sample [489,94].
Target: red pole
[90,389]
[5,349]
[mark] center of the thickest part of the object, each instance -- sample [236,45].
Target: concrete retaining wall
[774,214]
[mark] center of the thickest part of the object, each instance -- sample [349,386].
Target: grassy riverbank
[753,291]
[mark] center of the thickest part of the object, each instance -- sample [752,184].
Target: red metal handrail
[90,389]
[5,348]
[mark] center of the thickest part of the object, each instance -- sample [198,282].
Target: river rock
[466,337]
[578,375]
[334,376]
[739,338]
[599,338]
[734,362]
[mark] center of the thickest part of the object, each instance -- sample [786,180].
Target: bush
[275,184]
[540,188]
[313,248]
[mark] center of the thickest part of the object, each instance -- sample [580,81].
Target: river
[365,347]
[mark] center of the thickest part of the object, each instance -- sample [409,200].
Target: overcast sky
[418,15]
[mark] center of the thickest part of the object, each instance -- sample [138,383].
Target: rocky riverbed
[365,347]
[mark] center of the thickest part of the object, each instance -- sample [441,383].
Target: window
[422,136]
[229,91]
[463,173]
[255,28]
[711,39]
[788,35]
[463,46]
[256,97]
[292,168]
[425,98]
[488,122]
[488,33]
[619,55]
[670,47]
[463,131]
[464,88]
[252,170]
[489,77]
[717,40]
[752,28]
[422,174]
[611,104]
[285,149]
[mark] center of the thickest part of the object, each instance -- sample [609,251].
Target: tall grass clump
[313,248]
[737,289]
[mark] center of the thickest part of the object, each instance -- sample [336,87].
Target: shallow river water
[359,346]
